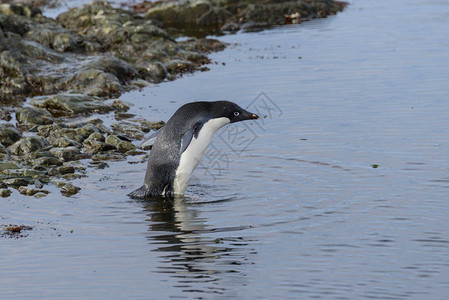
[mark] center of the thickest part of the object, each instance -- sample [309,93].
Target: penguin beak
[254,116]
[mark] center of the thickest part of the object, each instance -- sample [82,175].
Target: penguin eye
[236,113]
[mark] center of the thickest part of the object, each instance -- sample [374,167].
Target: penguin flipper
[187,137]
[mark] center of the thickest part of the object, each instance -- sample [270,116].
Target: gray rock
[70,104]
[8,166]
[16,182]
[69,189]
[33,116]
[47,162]
[64,142]
[28,145]
[67,154]
[9,134]
[5,193]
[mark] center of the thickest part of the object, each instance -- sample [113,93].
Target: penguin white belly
[195,150]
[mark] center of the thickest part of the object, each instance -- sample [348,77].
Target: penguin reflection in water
[181,143]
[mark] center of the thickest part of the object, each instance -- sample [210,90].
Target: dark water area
[339,192]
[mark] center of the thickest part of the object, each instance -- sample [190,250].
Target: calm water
[288,207]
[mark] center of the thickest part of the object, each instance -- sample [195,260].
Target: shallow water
[286,207]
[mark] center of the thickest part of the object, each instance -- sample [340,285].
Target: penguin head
[232,111]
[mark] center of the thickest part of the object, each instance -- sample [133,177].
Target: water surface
[288,207]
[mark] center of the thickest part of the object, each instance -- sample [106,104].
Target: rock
[41,194]
[70,104]
[122,146]
[64,142]
[146,126]
[3,149]
[5,114]
[30,116]
[47,162]
[16,182]
[28,145]
[96,136]
[66,170]
[131,130]
[8,166]
[9,134]
[120,105]
[108,156]
[30,191]
[67,154]
[34,173]
[5,193]
[93,146]
[69,189]
[210,16]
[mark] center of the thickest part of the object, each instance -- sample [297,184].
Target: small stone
[16,182]
[48,161]
[92,146]
[69,189]
[41,194]
[5,193]
[8,166]
[67,154]
[9,134]
[120,105]
[65,142]
[66,169]
[96,136]
[27,191]
[28,145]
[33,116]
[33,173]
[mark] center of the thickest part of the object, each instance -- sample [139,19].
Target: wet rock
[38,184]
[93,146]
[8,166]
[120,105]
[5,192]
[95,136]
[9,134]
[41,194]
[69,189]
[34,173]
[3,149]
[66,170]
[129,129]
[70,104]
[47,162]
[146,126]
[5,114]
[121,145]
[28,145]
[30,116]
[208,16]
[30,191]
[73,176]
[67,153]
[108,157]
[64,142]
[16,182]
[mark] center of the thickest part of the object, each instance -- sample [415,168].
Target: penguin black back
[181,143]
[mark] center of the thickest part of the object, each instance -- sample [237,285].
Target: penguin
[181,143]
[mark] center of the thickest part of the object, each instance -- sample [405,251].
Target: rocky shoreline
[71,68]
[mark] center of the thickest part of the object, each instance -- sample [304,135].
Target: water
[299,212]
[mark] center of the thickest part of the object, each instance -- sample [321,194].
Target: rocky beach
[58,76]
